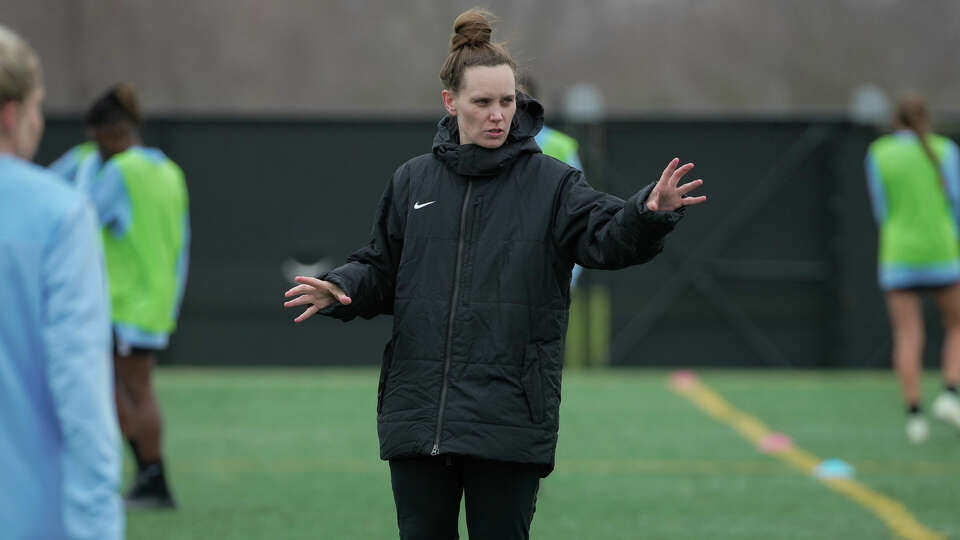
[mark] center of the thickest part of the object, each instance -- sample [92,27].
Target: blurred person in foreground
[471,251]
[914,181]
[141,201]
[59,443]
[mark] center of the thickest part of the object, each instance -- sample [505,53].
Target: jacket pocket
[384,373]
[532,383]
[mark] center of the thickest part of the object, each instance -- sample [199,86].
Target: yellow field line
[893,513]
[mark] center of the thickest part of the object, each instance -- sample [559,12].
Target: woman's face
[23,121]
[113,138]
[484,105]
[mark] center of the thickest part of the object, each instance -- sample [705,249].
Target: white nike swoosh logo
[417,205]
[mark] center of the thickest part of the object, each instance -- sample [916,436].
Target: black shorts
[119,350]
[926,289]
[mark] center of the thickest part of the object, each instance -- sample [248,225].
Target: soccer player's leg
[150,489]
[947,405]
[906,319]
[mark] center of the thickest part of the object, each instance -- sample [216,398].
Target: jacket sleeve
[369,277]
[597,230]
[79,373]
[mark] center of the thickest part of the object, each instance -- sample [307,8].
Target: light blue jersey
[67,165]
[59,441]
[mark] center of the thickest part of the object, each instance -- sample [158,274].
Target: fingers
[312,281]
[669,170]
[689,186]
[298,301]
[337,292]
[299,289]
[689,201]
[678,174]
[308,299]
[307,314]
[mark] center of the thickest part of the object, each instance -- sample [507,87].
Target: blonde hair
[470,45]
[19,67]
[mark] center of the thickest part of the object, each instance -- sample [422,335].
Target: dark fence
[778,269]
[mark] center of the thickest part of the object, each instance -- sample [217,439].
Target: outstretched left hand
[667,195]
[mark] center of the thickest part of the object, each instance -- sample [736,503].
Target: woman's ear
[448,97]
[9,117]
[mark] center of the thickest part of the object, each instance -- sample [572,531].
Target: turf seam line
[893,513]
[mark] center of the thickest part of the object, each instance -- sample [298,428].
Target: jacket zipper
[453,312]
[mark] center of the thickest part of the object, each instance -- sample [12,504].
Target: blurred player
[553,143]
[59,443]
[141,201]
[472,251]
[914,181]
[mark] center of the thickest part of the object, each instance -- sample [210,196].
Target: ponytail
[912,114]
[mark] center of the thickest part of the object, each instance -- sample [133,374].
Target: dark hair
[912,114]
[470,46]
[118,104]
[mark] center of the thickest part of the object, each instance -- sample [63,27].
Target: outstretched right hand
[317,292]
[668,195]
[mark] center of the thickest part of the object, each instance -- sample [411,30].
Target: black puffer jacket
[472,252]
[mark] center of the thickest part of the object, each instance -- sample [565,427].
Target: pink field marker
[774,443]
[683,379]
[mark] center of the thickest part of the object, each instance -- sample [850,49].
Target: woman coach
[471,251]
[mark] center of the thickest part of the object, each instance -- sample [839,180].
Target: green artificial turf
[292,454]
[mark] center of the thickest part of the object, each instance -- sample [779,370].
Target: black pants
[500,497]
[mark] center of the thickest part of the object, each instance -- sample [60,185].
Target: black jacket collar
[474,160]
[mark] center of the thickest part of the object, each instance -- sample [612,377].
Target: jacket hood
[475,160]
